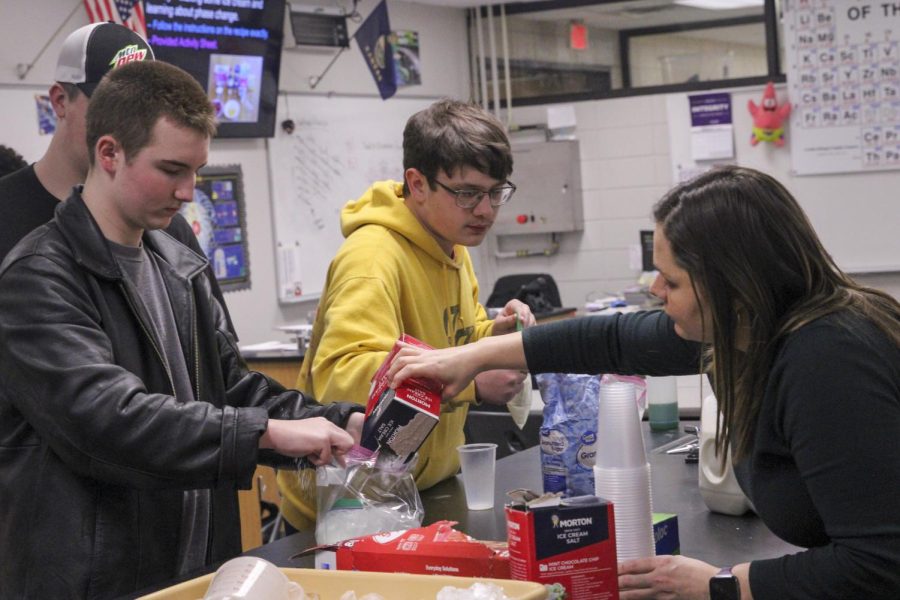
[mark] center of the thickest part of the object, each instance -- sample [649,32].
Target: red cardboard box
[437,549]
[400,419]
[571,543]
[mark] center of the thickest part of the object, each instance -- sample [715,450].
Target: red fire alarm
[578,36]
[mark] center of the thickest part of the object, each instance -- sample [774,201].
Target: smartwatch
[724,585]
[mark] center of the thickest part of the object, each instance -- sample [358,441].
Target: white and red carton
[400,419]
[568,543]
[436,549]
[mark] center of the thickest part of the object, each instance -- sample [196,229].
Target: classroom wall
[256,312]
[625,167]
[444,56]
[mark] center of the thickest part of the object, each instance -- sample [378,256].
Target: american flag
[129,13]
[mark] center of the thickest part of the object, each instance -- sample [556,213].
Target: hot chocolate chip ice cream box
[567,544]
[400,419]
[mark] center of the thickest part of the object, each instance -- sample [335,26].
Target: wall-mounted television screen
[233,49]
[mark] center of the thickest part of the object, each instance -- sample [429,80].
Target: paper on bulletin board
[290,277]
[712,132]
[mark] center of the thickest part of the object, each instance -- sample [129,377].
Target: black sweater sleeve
[642,343]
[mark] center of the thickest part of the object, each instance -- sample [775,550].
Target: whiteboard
[857,215]
[339,147]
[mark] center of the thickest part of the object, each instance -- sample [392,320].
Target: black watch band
[724,585]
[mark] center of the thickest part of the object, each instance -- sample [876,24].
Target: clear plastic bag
[569,432]
[373,493]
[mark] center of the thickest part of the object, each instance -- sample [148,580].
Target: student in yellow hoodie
[404,268]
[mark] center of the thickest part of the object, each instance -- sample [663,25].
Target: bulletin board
[339,147]
[857,215]
[218,217]
[843,72]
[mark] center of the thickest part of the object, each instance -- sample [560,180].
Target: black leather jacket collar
[91,250]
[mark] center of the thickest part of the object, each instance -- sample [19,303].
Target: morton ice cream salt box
[567,544]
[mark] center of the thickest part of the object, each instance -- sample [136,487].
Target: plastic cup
[662,403]
[619,440]
[630,493]
[250,577]
[477,462]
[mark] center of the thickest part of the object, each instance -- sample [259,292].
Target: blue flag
[373,37]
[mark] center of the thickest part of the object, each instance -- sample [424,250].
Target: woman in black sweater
[806,365]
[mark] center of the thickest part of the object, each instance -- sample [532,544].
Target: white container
[718,485]
[662,403]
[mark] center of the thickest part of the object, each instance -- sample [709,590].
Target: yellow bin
[330,585]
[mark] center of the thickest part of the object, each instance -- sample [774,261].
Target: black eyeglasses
[472,198]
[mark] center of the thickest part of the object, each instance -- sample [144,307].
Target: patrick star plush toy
[768,118]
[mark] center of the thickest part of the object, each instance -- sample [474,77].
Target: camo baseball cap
[90,51]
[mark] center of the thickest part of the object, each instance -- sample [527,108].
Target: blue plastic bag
[569,432]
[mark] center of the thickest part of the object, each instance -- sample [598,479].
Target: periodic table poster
[844,80]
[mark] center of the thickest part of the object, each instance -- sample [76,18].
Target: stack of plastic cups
[621,471]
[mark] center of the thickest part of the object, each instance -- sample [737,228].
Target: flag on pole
[374,39]
[129,13]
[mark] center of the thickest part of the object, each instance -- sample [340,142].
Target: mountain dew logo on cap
[130,53]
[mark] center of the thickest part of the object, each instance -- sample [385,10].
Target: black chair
[496,426]
[537,290]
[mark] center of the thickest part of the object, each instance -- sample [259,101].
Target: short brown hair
[131,99]
[450,135]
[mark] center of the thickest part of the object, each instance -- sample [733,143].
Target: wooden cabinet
[265,488]
[283,370]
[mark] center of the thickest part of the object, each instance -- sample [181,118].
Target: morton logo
[128,54]
[575,522]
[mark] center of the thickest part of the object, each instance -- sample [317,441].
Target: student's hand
[355,425]
[498,386]
[505,321]
[449,366]
[675,577]
[316,438]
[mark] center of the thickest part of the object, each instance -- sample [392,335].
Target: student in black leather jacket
[127,418]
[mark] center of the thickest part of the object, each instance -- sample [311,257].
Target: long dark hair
[760,272]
